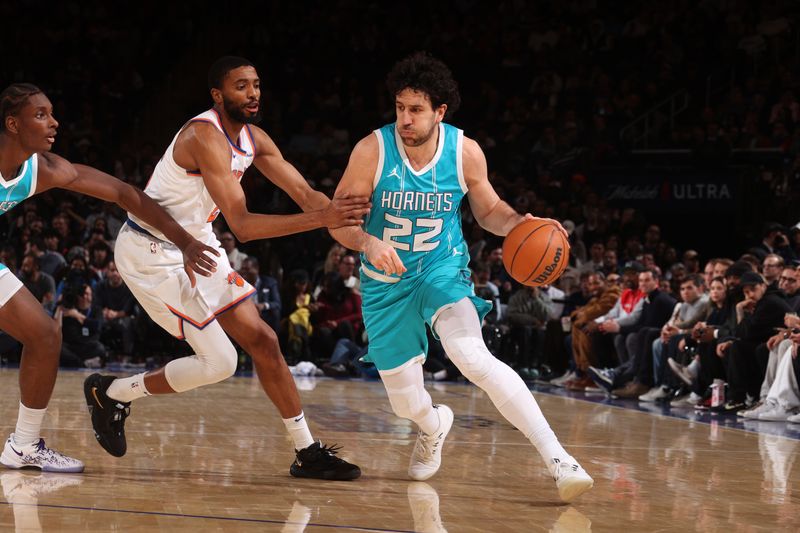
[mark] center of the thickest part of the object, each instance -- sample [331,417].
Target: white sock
[524,413]
[298,430]
[128,389]
[29,425]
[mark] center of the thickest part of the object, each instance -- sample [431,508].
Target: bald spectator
[772,267]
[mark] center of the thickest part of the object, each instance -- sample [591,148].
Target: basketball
[536,252]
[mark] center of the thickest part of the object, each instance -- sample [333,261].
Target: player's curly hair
[422,72]
[13,98]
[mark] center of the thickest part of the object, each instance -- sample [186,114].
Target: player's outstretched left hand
[195,259]
[346,210]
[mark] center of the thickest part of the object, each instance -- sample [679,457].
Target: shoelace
[121,412]
[329,451]
[427,444]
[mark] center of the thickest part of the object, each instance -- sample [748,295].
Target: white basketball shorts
[153,271]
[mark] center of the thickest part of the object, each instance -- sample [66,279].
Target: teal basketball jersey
[23,185]
[13,191]
[418,212]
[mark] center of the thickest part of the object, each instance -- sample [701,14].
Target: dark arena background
[663,135]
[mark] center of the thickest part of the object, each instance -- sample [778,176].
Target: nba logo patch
[153,248]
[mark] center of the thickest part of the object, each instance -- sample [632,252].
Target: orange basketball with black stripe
[536,252]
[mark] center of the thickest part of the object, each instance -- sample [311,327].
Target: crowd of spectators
[547,91]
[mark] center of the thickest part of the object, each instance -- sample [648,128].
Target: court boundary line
[205,517]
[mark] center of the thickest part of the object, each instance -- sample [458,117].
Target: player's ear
[440,112]
[216,95]
[12,125]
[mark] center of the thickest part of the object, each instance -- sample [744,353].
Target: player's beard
[419,141]
[238,113]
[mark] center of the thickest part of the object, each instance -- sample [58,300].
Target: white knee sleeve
[408,397]
[460,332]
[410,402]
[214,360]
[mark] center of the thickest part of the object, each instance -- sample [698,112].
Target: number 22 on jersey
[423,240]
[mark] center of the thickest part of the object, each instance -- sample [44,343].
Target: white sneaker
[39,456]
[693,399]
[756,410]
[424,502]
[656,393]
[570,477]
[795,419]
[560,381]
[777,414]
[427,455]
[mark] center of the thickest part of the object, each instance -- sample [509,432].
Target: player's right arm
[357,181]
[202,146]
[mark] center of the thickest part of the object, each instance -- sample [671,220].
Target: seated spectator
[595,260]
[636,376]
[235,256]
[527,313]
[692,308]
[331,264]
[696,362]
[118,307]
[41,284]
[296,323]
[336,315]
[487,290]
[789,283]
[757,315]
[347,269]
[778,394]
[267,296]
[80,321]
[51,263]
[346,361]
[100,254]
[603,298]
[772,266]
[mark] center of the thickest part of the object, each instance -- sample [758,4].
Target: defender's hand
[346,211]
[195,259]
[384,257]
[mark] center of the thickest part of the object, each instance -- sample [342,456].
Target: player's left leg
[22,317]
[459,329]
[244,324]
[409,399]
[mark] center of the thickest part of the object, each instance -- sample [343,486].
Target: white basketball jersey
[183,193]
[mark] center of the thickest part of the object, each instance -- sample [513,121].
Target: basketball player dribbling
[196,179]
[27,168]
[414,266]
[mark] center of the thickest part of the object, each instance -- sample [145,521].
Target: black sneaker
[729,407]
[320,462]
[108,415]
[603,377]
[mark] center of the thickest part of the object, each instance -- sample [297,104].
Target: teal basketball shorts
[395,314]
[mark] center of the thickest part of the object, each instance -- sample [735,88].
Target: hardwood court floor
[217,459]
